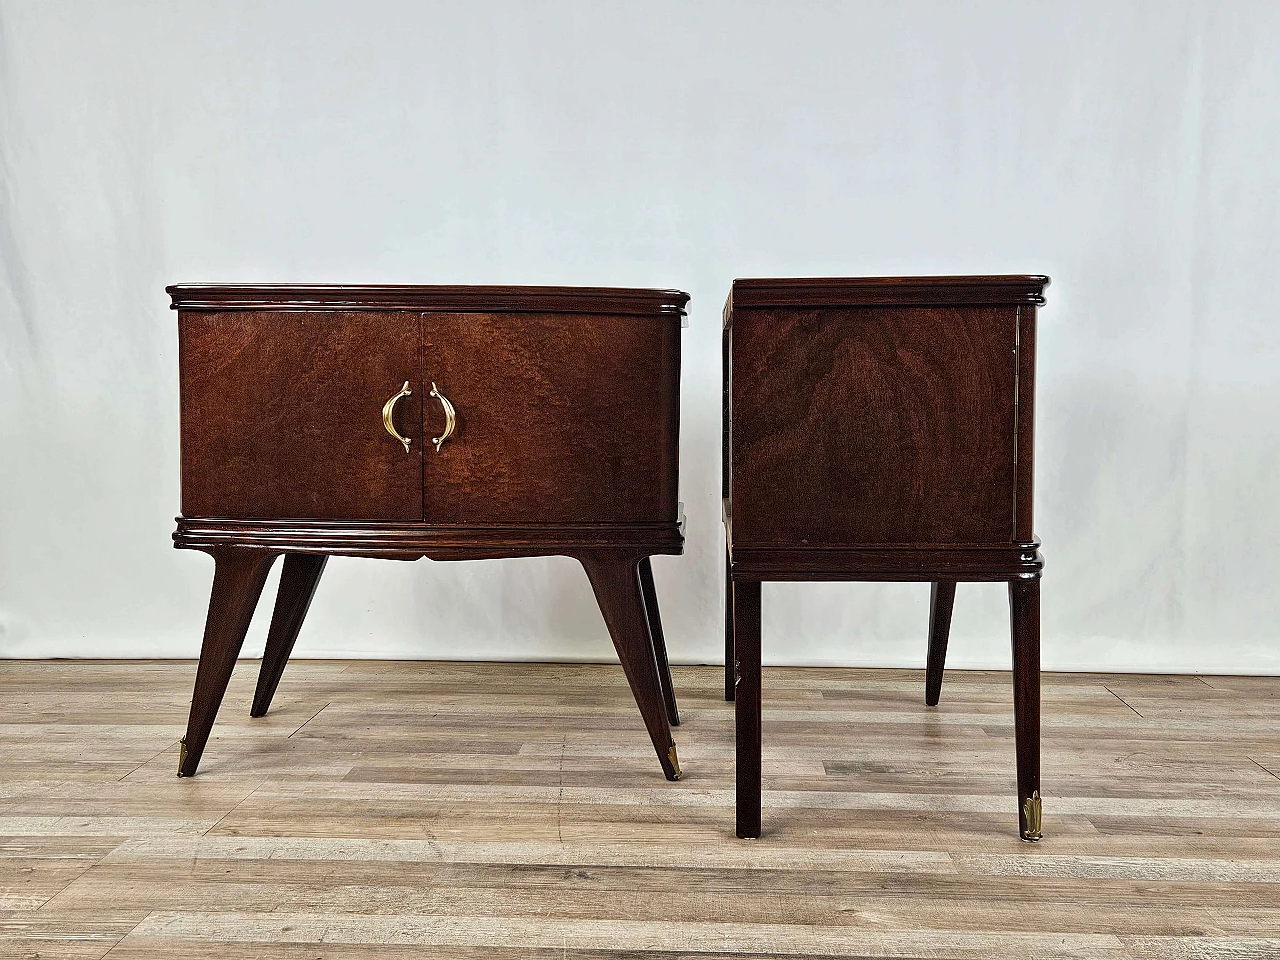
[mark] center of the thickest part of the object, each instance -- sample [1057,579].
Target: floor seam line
[167,747]
[312,717]
[1122,700]
[128,934]
[237,806]
[80,876]
[1265,769]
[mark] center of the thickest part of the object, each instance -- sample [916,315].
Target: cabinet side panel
[560,419]
[282,415]
[873,425]
[726,409]
[1023,529]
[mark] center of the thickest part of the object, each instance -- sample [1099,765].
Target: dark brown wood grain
[730,656]
[1024,618]
[426,297]
[726,421]
[558,420]
[726,469]
[879,425]
[298,581]
[566,443]
[615,578]
[238,577]
[649,591]
[1024,466]
[282,415]
[965,562]
[411,541]
[942,597]
[881,429]
[747,704]
[881,291]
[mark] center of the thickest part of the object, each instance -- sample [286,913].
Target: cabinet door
[560,418]
[860,426]
[282,415]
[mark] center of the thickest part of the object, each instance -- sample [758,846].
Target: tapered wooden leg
[659,641]
[298,582]
[730,668]
[1024,616]
[942,596]
[616,582]
[238,576]
[746,634]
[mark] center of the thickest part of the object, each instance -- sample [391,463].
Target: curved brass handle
[388,408]
[450,417]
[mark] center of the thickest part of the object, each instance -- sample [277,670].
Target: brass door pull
[450,417]
[388,408]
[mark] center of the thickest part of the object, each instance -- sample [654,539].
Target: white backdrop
[1129,150]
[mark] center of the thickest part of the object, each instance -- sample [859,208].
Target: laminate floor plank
[35,869]
[467,810]
[30,934]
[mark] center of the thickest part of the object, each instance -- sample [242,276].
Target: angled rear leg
[298,582]
[942,596]
[659,641]
[238,576]
[615,578]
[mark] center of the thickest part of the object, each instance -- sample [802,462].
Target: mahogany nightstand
[881,429]
[456,423]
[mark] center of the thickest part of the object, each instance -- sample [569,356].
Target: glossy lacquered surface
[281,414]
[430,297]
[881,429]
[873,425]
[297,402]
[558,421]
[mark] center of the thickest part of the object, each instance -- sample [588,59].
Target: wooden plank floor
[516,810]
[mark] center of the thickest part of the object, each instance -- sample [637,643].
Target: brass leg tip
[182,756]
[675,762]
[1031,816]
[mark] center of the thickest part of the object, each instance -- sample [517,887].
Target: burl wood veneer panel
[560,419]
[282,415]
[873,425]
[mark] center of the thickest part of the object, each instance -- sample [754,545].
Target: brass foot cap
[675,762]
[182,756]
[1031,816]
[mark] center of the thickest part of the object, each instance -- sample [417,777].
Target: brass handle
[450,417]
[388,408]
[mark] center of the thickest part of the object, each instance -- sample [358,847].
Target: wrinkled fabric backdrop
[1129,150]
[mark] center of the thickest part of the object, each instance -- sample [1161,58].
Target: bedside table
[881,429]
[456,423]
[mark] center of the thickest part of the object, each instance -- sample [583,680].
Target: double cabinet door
[535,418]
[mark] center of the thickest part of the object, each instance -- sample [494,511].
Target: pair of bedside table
[874,430]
